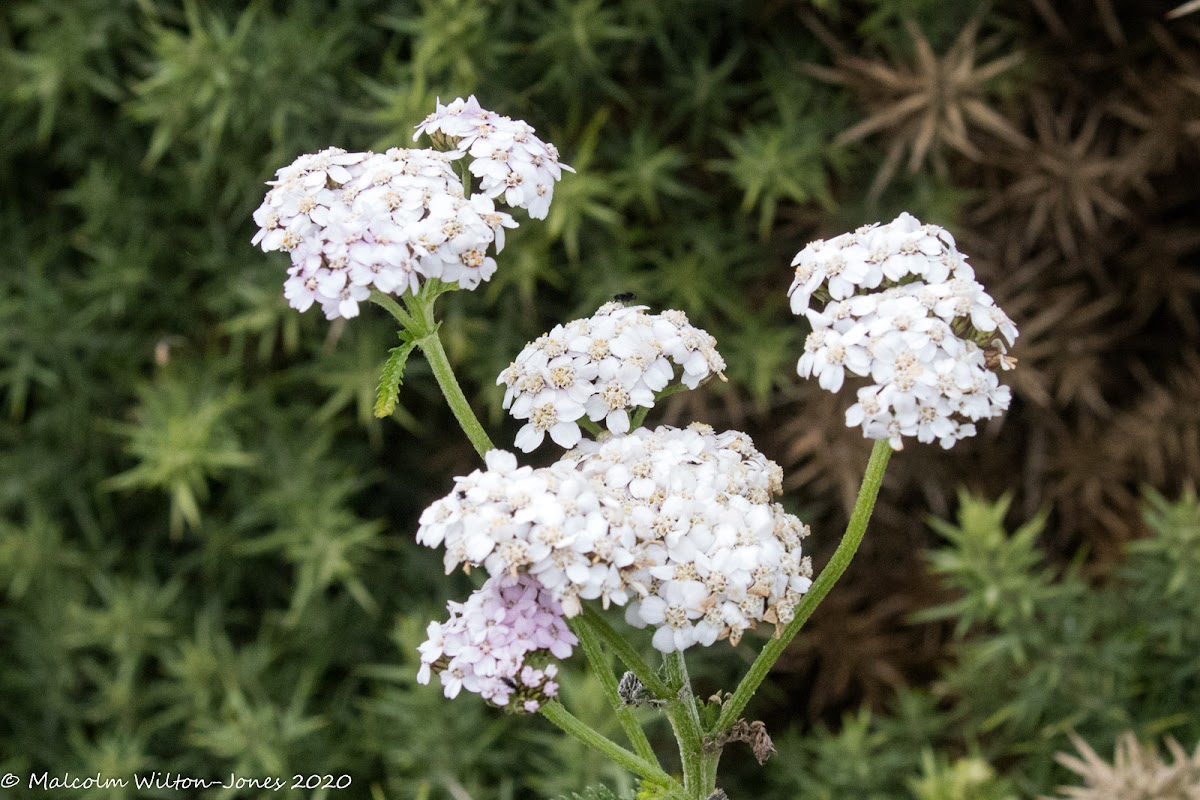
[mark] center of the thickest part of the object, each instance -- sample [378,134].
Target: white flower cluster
[485,645]
[678,521]
[356,221]
[901,306]
[508,159]
[603,367]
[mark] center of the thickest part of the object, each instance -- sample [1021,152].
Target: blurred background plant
[206,550]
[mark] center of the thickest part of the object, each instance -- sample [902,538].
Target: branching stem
[418,319]
[589,640]
[629,657]
[699,767]
[556,713]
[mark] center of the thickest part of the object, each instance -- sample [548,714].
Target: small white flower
[554,414]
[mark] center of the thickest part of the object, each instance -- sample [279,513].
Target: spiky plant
[1070,182]
[1137,772]
[925,104]
[1159,101]
[1101,11]
[1159,436]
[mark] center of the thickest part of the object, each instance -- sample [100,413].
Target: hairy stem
[685,721]
[629,657]
[392,307]
[846,549]
[425,332]
[710,770]
[556,713]
[431,346]
[589,640]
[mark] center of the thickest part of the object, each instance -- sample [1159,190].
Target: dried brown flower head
[1137,772]
[752,733]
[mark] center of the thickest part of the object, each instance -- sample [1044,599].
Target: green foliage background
[206,551]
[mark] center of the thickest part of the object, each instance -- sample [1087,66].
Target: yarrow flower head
[508,158]
[677,524]
[898,304]
[498,644]
[603,367]
[353,222]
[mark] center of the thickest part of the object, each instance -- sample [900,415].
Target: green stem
[464,172]
[556,713]
[392,307]
[591,427]
[590,642]
[630,657]
[431,346]
[846,549]
[425,333]
[638,418]
[710,770]
[685,721]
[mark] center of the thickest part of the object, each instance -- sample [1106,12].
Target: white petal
[528,438]
[664,639]
[617,421]
[565,434]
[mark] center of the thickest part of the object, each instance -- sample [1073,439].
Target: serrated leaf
[391,377]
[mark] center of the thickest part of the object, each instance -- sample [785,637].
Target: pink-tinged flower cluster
[603,367]
[898,304]
[353,222]
[508,159]
[677,524]
[491,643]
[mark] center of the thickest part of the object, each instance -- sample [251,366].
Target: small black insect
[625,297]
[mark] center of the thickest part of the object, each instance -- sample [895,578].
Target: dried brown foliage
[1086,230]
[1070,182]
[926,103]
[1085,224]
[859,649]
